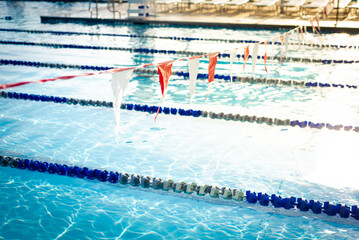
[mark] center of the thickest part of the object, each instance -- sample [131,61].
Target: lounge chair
[343,6]
[266,3]
[295,4]
[342,3]
[167,3]
[314,4]
[214,3]
[355,7]
[236,3]
[187,4]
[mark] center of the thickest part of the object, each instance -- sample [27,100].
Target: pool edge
[109,21]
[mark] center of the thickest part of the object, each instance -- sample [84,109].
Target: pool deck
[248,17]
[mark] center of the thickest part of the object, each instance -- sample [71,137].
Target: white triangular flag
[272,52]
[286,44]
[254,56]
[119,84]
[193,67]
[232,55]
[329,8]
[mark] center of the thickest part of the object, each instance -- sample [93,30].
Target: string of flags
[122,76]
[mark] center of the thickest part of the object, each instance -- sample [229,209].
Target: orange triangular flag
[212,66]
[281,47]
[245,56]
[301,32]
[317,19]
[313,27]
[164,72]
[265,57]
[325,13]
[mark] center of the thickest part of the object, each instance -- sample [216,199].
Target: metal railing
[114,7]
[91,10]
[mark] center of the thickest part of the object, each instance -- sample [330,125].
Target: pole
[96,8]
[113,9]
[336,22]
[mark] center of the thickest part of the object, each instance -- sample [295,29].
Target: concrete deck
[244,17]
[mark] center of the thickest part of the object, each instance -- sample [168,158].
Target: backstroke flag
[164,72]
[325,13]
[245,57]
[329,8]
[212,66]
[286,37]
[119,84]
[254,56]
[193,67]
[298,37]
[265,57]
[317,19]
[301,32]
[232,55]
[313,27]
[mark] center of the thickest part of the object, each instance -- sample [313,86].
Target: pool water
[307,163]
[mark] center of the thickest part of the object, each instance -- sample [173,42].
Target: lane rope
[179,111]
[173,52]
[210,193]
[318,45]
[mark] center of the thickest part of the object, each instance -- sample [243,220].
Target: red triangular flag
[281,47]
[265,57]
[245,56]
[212,66]
[317,19]
[313,27]
[164,71]
[325,13]
[301,32]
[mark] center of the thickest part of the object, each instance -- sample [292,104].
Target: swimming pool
[290,161]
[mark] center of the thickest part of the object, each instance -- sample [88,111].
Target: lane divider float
[172,52]
[198,192]
[179,111]
[318,45]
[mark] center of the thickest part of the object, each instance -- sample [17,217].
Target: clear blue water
[313,164]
